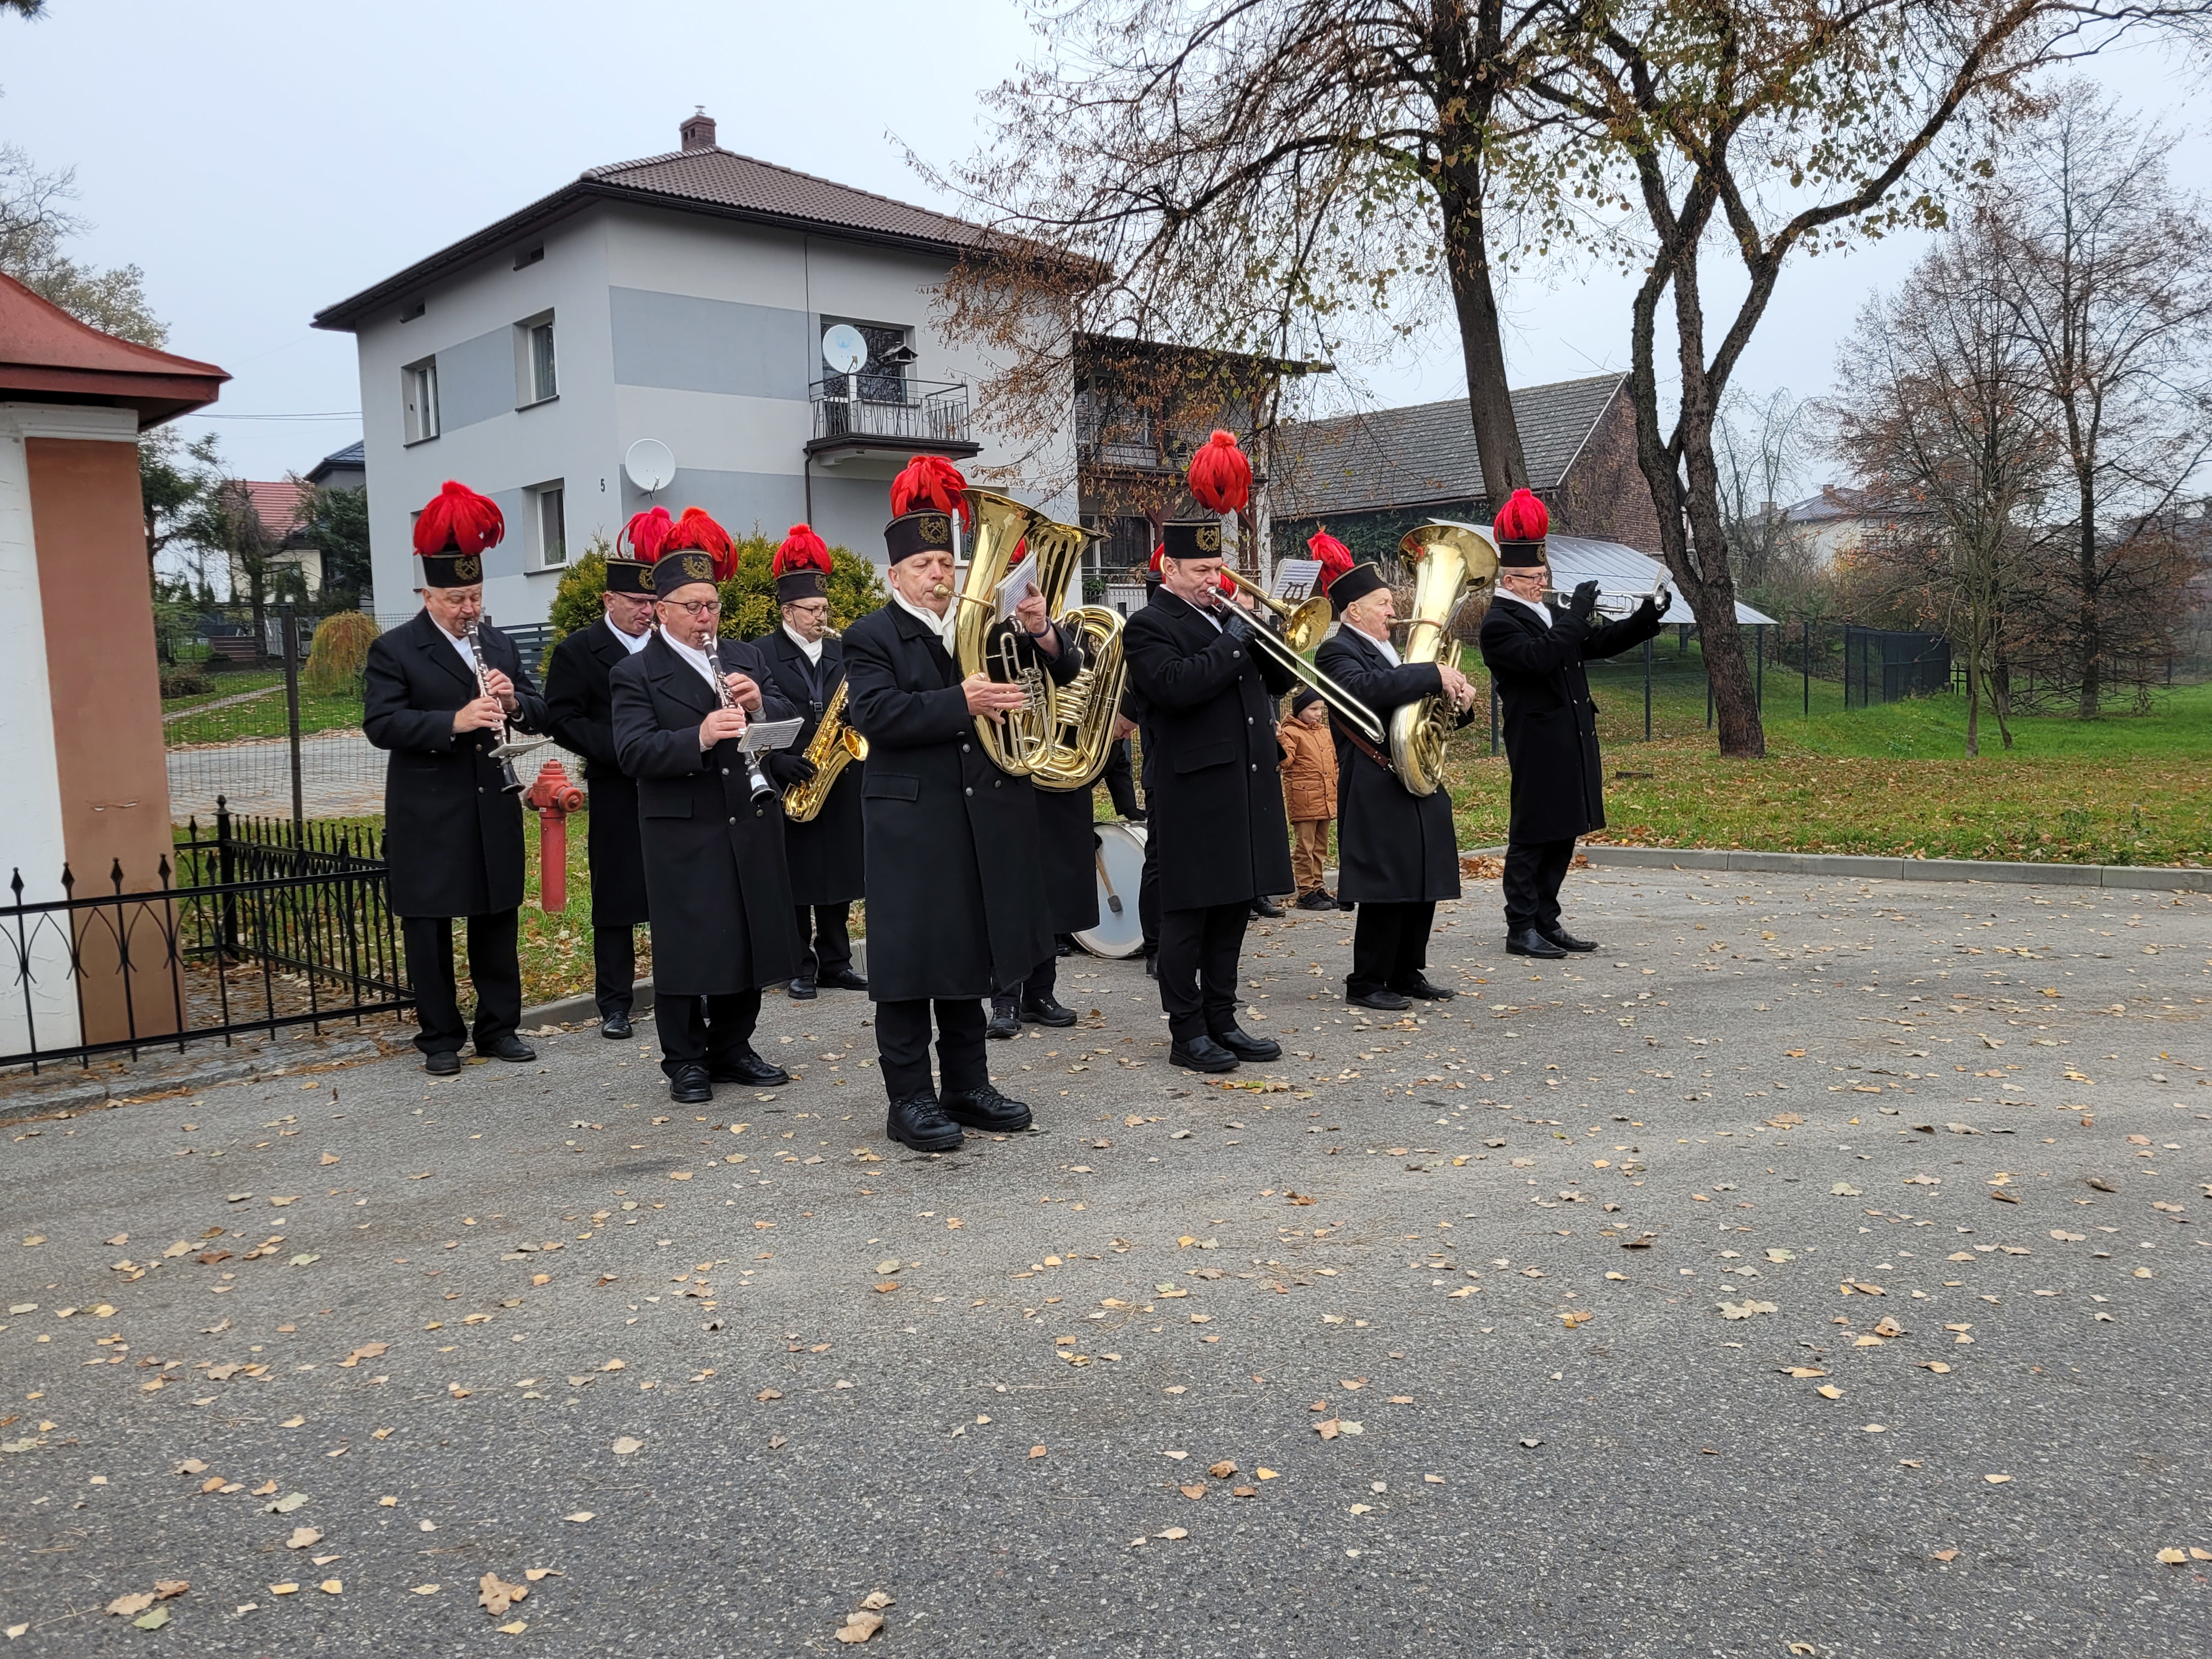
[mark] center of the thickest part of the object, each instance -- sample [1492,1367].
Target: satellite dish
[843,349]
[651,465]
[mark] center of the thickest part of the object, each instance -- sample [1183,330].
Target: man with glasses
[580,712]
[716,881]
[1535,652]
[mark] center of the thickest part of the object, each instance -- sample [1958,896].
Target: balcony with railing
[873,416]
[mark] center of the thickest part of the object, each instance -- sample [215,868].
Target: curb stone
[2136,876]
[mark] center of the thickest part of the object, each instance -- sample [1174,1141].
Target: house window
[882,377]
[550,526]
[535,378]
[419,392]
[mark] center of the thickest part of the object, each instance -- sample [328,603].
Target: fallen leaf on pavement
[303,1536]
[494,1595]
[627,1445]
[858,1626]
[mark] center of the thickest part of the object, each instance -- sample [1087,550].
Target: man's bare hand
[479,714]
[721,724]
[744,689]
[500,687]
[1456,686]
[1035,619]
[989,697]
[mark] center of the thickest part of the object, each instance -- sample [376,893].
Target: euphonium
[1451,558]
[834,743]
[1024,741]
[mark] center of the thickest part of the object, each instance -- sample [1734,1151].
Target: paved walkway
[1815,1269]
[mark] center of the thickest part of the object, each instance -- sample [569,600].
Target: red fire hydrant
[554,797]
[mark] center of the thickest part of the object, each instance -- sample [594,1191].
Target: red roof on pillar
[46,355]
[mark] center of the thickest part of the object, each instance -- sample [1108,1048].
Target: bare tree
[2108,272]
[1941,423]
[1759,446]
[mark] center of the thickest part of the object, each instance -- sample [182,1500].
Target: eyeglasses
[695,607]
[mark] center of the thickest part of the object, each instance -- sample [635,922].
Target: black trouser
[1198,967]
[494,969]
[710,1031]
[1148,897]
[1120,783]
[903,1045]
[1038,988]
[1390,947]
[1533,870]
[614,969]
[824,946]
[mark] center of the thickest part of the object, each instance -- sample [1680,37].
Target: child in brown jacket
[1309,794]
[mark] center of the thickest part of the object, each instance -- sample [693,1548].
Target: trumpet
[1286,632]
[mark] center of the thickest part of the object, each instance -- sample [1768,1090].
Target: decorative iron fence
[259,926]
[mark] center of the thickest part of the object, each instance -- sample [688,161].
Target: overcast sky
[261,161]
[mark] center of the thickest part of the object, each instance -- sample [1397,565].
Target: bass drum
[1121,867]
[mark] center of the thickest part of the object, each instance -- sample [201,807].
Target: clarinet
[761,787]
[509,781]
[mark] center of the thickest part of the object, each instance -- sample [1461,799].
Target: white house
[683,298]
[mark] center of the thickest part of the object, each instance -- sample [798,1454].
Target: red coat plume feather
[802,549]
[695,529]
[1335,558]
[458,520]
[1220,476]
[1522,518]
[646,533]
[931,482]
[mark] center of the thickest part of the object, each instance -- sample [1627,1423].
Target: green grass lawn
[262,716]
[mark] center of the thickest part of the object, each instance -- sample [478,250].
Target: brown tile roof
[276,502]
[45,350]
[1424,453]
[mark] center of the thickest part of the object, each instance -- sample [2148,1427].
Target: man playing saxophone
[1397,852]
[806,661]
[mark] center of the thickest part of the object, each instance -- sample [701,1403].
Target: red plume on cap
[458,520]
[1522,518]
[1335,558]
[1220,476]
[695,529]
[931,482]
[1158,554]
[1222,583]
[647,532]
[802,549]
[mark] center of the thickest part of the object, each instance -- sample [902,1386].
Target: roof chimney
[698,129]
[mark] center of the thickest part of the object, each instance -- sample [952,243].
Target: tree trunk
[2088,624]
[1973,700]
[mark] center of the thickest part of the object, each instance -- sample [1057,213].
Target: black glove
[784,769]
[1583,602]
[1234,623]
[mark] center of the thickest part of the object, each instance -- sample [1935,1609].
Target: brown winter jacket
[1309,770]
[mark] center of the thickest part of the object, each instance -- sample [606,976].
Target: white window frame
[546,553]
[529,391]
[418,398]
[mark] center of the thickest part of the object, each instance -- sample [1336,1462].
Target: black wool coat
[1551,724]
[1392,846]
[1212,786]
[714,876]
[451,836]
[580,712]
[1069,844]
[828,858]
[956,889]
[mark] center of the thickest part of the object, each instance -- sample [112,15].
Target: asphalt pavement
[1816,1269]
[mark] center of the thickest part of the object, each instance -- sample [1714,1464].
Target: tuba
[834,743]
[1043,739]
[1452,558]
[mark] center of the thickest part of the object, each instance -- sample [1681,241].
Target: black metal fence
[255,925]
[1885,665]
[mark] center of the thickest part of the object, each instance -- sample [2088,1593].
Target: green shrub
[576,600]
[185,682]
[749,606]
[338,652]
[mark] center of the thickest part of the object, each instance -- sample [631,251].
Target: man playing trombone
[1535,654]
[1215,798]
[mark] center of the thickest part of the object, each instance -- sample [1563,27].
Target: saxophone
[834,743]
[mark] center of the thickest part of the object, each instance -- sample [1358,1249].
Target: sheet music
[1295,579]
[762,735]
[1014,586]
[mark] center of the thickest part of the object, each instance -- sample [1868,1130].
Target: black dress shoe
[616,1028]
[1264,906]
[1319,899]
[1345,904]
[1005,1020]
[1388,1001]
[1422,991]
[1530,943]
[800,990]
[1567,941]
[1245,1046]
[443,1062]
[1063,946]
[842,979]
[1201,1053]
[750,1069]
[1048,1013]
[690,1086]
[508,1047]
[984,1108]
[917,1121]
[1151,967]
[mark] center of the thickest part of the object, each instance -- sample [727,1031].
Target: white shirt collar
[1540,611]
[460,642]
[941,626]
[811,647]
[632,643]
[1384,645]
[696,658]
